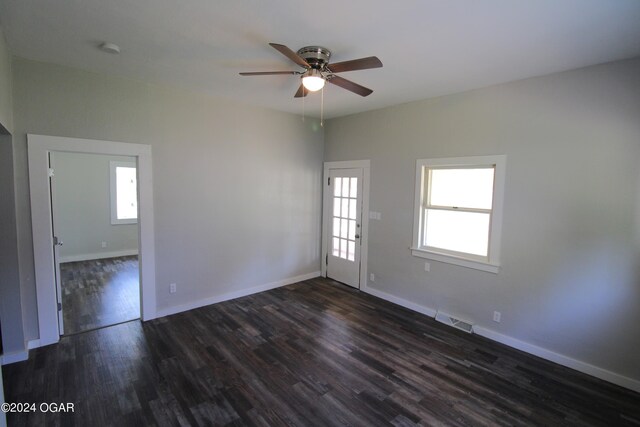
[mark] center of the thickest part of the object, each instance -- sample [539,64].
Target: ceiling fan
[318,70]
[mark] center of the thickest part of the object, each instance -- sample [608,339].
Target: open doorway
[39,148]
[95,223]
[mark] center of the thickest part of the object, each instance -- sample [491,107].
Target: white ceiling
[428,47]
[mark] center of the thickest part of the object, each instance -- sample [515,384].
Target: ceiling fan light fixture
[312,80]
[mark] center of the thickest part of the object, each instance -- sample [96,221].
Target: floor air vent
[456,323]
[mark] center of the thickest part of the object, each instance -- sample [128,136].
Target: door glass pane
[352,209]
[336,227]
[352,230]
[336,246]
[354,187]
[345,208]
[336,206]
[351,253]
[343,248]
[344,228]
[337,187]
[462,188]
[466,232]
[345,187]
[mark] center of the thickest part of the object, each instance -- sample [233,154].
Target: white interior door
[57,242]
[345,225]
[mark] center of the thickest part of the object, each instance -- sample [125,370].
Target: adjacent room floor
[312,353]
[99,293]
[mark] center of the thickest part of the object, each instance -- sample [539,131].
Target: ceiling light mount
[110,48]
[316,56]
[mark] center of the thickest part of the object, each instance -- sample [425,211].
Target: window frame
[489,263]
[113,165]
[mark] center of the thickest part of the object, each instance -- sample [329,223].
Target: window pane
[344,228]
[352,230]
[352,209]
[466,232]
[343,248]
[354,187]
[337,187]
[351,255]
[345,208]
[336,246]
[336,227]
[126,193]
[463,188]
[345,187]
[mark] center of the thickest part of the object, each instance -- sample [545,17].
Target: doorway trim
[39,147]
[365,165]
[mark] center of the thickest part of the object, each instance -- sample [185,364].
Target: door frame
[365,165]
[39,147]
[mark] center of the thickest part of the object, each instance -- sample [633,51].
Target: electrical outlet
[372,277]
[427,266]
[497,316]
[172,288]
[104,244]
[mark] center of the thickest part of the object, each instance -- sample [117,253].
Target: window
[458,210]
[124,192]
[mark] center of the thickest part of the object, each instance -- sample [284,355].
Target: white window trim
[113,188]
[492,264]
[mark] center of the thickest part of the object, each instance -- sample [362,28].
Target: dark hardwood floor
[316,353]
[99,293]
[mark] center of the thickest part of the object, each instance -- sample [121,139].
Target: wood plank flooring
[316,353]
[98,293]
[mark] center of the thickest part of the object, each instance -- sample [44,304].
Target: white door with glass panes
[344,227]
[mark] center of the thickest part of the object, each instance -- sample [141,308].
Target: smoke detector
[110,48]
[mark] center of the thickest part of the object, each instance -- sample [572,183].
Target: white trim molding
[235,294]
[14,357]
[365,165]
[39,147]
[560,359]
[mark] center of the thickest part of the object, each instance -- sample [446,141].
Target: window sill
[450,259]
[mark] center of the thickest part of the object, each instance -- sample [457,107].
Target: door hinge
[59,306]
[50,172]
[329,181]
[326,259]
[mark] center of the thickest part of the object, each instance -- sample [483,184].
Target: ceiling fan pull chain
[303,105]
[322,106]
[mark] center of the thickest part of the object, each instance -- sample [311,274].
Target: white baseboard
[560,359]
[400,301]
[543,353]
[235,294]
[99,255]
[16,356]
[33,344]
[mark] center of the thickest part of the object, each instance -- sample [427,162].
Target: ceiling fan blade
[267,73]
[290,54]
[356,64]
[302,91]
[351,86]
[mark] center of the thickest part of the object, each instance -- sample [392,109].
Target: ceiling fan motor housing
[316,56]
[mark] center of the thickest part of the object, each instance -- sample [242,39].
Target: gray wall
[237,189]
[571,234]
[10,301]
[82,208]
[10,305]
[6,108]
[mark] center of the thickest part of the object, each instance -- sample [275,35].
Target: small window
[124,193]
[458,210]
